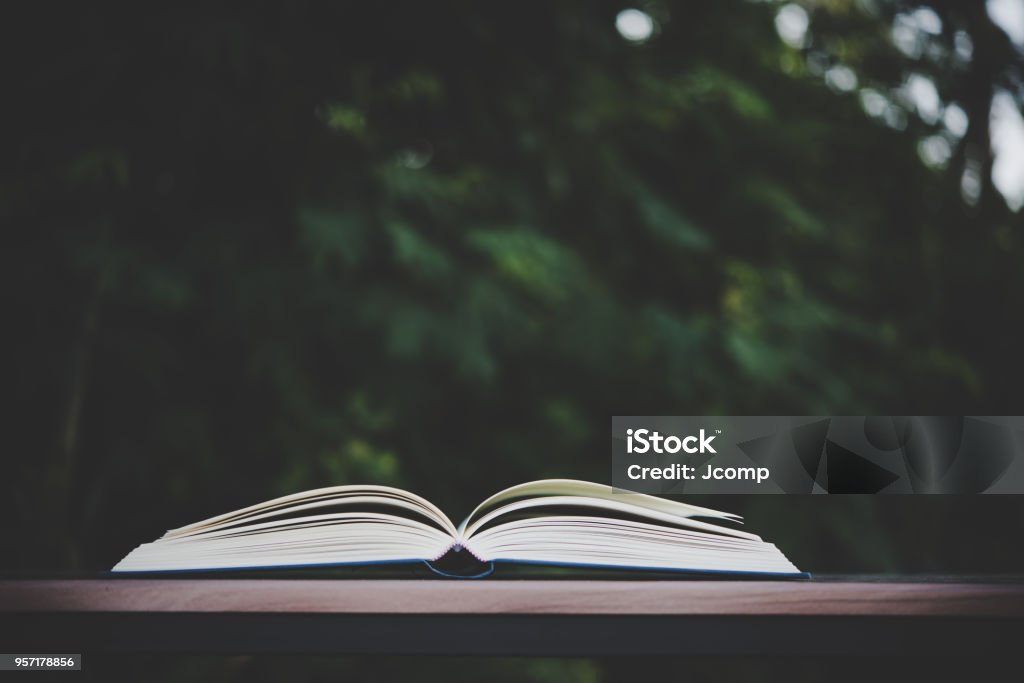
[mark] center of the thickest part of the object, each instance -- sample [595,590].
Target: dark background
[256,248]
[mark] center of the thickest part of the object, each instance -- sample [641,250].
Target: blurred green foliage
[260,248]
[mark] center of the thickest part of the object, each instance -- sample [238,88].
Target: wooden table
[502,617]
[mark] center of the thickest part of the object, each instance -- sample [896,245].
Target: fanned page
[557,521]
[330,526]
[568,522]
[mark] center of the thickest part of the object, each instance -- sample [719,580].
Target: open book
[553,521]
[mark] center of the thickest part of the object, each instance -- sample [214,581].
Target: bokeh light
[792,23]
[634,25]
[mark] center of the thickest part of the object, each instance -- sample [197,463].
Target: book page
[601,506]
[325,539]
[364,497]
[595,541]
[639,503]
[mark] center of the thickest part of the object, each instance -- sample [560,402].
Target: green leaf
[332,237]
[536,263]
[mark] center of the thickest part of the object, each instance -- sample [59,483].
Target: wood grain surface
[497,597]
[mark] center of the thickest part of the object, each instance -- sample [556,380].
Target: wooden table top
[467,597]
[539,617]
